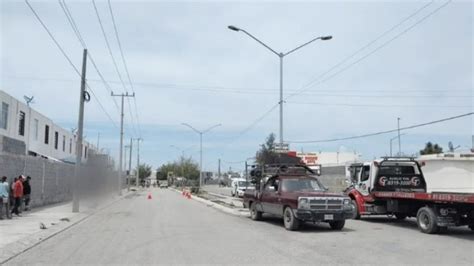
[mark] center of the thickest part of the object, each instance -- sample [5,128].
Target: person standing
[4,198]
[27,193]
[17,194]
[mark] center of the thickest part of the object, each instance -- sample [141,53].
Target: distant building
[25,131]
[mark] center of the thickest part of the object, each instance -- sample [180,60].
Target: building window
[56,139]
[70,146]
[46,134]
[36,125]
[64,143]
[4,116]
[21,124]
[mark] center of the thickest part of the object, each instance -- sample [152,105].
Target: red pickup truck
[295,194]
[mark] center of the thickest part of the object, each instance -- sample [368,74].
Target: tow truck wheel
[471,227]
[356,210]
[291,222]
[254,213]
[337,225]
[426,220]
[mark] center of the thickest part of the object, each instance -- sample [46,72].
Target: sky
[406,59]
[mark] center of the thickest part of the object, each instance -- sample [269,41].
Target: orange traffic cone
[149,196]
[189,195]
[183,192]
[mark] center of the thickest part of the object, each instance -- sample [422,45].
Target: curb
[28,242]
[217,206]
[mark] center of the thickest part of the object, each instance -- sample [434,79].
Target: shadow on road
[305,227]
[410,224]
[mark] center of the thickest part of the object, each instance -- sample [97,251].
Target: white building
[39,134]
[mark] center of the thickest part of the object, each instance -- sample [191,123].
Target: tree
[431,149]
[267,153]
[183,167]
[144,171]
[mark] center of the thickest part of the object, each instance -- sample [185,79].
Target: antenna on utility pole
[120,172]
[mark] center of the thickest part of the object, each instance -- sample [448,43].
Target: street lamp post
[280,55]
[182,156]
[392,139]
[200,146]
[399,142]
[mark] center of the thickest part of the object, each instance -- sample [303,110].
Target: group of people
[15,198]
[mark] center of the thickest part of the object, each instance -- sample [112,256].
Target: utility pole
[138,161]
[121,139]
[219,170]
[98,141]
[246,174]
[130,158]
[83,96]
[399,142]
[126,147]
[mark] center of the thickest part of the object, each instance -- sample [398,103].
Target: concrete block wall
[12,146]
[333,177]
[50,183]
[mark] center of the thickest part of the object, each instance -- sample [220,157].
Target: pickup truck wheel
[400,216]
[426,220]
[356,210]
[337,225]
[289,220]
[254,213]
[471,227]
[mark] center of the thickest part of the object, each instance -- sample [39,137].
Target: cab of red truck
[397,187]
[295,194]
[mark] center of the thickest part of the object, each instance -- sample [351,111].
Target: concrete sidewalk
[21,233]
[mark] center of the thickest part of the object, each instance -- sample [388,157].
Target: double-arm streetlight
[280,55]
[200,132]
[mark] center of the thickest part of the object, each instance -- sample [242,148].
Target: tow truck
[294,193]
[396,186]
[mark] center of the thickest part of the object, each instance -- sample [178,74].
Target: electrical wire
[125,65]
[69,60]
[74,27]
[114,62]
[382,105]
[384,132]
[312,83]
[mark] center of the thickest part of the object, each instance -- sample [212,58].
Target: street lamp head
[326,38]
[234,28]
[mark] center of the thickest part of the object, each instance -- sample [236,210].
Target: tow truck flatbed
[439,197]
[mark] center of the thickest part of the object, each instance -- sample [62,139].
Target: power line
[68,59]
[113,60]
[312,83]
[382,105]
[384,132]
[124,64]
[73,24]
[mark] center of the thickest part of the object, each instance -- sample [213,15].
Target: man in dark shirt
[27,192]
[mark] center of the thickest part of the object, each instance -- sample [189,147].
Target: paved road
[169,229]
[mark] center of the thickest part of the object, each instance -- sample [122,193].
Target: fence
[51,181]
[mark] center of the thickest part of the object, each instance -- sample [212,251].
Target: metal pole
[399,142]
[138,162]
[391,147]
[200,160]
[80,126]
[130,158]
[219,170]
[98,141]
[246,175]
[281,100]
